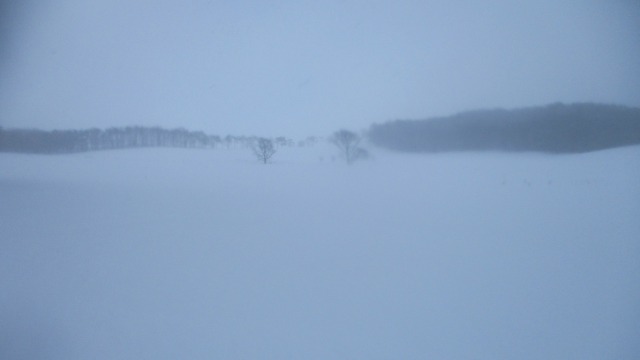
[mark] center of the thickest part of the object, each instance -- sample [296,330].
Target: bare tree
[348,143]
[263,149]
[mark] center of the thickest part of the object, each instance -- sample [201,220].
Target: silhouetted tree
[263,149]
[348,143]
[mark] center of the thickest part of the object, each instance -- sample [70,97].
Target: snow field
[166,254]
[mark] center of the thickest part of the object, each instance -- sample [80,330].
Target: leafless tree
[263,149]
[348,143]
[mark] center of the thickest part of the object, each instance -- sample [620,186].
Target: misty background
[300,68]
[372,179]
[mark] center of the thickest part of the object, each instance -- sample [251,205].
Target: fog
[143,231]
[300,68]
[168,253]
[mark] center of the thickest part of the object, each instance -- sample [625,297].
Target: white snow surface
[208,254]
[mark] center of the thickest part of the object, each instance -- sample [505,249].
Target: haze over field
[201,254]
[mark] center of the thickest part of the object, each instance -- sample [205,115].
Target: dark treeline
[68,141]
[556,128]
[61,141]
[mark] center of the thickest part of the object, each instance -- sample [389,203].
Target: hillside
[556,128]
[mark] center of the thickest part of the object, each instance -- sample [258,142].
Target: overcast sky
[298,68]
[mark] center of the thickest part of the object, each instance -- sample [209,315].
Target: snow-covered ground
[207,254]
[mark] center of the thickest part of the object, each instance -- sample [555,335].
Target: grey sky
[299,68]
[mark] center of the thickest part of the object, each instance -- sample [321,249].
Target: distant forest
[69,141]
[555,128]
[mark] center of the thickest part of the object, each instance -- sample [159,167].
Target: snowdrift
[166,254]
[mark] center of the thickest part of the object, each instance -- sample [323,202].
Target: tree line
[347,142]
[72,141]
[69,141]
[556,128]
